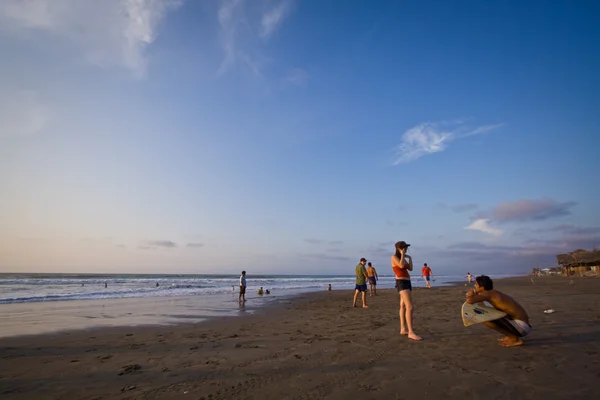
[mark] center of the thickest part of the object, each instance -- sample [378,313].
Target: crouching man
[515,325]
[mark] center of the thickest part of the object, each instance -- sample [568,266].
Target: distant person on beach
[157,285]
[469,277]
[401,264]
[427,275]
[242,296]
[105,285]
[260,291]
[361,283]
[329,288]
[372,275]
[515,325]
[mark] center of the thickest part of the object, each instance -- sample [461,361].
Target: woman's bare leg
[402,314]
[406,299]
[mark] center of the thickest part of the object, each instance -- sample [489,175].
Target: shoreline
[97,314]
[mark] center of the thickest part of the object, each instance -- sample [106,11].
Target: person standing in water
[242,296]
[401,264]
[427,275]
[372,276]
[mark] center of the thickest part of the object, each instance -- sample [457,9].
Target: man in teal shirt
[361,282]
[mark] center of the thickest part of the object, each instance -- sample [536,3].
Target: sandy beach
[316,346]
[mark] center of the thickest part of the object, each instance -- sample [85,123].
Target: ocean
[27,288]
[46,303]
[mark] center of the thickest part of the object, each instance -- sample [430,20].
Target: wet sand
[316,346]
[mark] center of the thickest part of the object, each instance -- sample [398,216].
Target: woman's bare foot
[365,306]
[404,332]
[414,336]
[503,339]
[512,342]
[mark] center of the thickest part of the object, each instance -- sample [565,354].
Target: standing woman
[401,264]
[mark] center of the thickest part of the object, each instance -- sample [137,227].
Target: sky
[295,137]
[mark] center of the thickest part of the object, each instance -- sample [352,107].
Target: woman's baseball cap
[402,244]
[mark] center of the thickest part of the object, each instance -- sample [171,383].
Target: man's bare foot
[504,339]
[512,342]
[353,305]
[414,336]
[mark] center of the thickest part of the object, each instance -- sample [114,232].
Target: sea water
[45,303]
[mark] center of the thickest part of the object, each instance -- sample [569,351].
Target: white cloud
[228,23]
[430,137]
[272,19]
[240,31]
[481,225]
[106,32]
[21,113]
[296,77]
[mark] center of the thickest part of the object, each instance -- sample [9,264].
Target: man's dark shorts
[242,289]
[372,280]
[403,284]
[361,288]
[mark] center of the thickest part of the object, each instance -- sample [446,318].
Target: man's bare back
[516,323]
[502,302]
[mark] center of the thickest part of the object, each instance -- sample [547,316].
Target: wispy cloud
[527,210]
[273,18]
[321,241]
[314,241]
[21,113]
[482,225]
[241,31]
[295,77]
[161,243]
[107,32]
[433,137]
[228,21]
[195,245]
[459,208]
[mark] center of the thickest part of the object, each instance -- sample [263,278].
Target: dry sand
[316,346]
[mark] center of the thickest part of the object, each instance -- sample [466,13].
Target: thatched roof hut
[579,258]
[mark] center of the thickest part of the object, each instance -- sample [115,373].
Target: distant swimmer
[233,289]
[157,284]
[105,284]
[361,283]
[515,325]
[267,291]
[427,275]
[260,291]
[373,277]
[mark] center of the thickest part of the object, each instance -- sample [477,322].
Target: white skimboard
[479,312]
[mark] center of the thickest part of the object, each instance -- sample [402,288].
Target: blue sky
[286,136]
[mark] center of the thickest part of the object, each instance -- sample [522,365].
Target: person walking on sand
[515,325]
[427,275]
[242,296]
[361,283]
[401,264]
[372,276]
[469,277]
